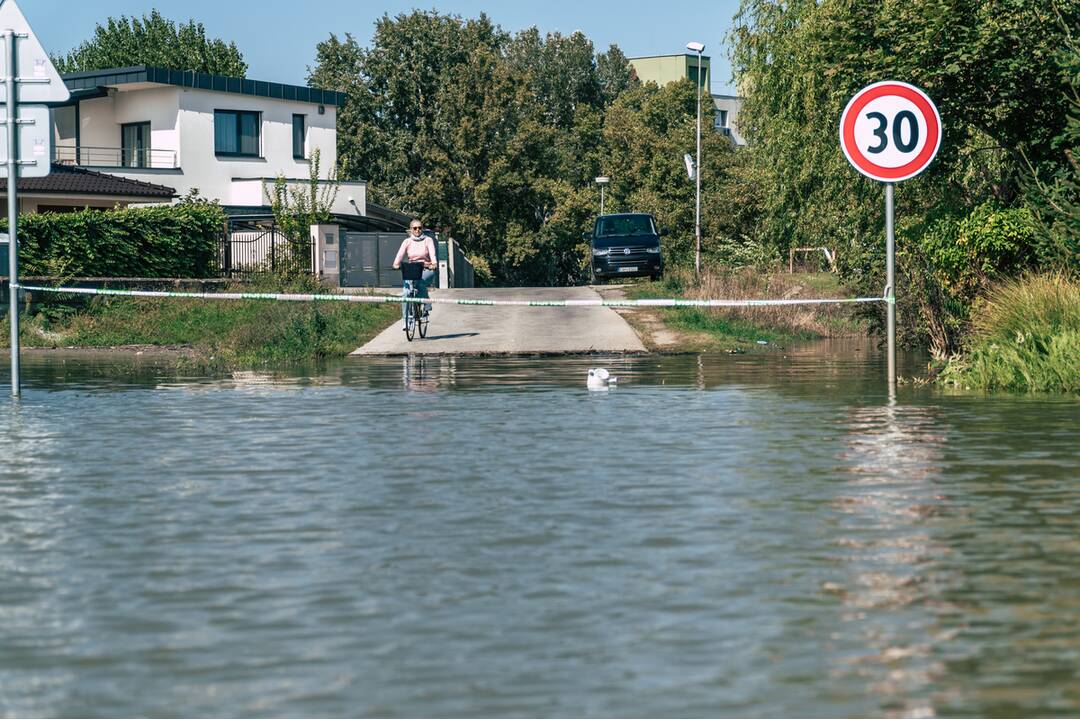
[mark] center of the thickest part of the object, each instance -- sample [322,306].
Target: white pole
[13,208]
[601,199]
[890,283]
[697,176]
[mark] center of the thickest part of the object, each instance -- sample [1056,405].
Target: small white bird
[600,379]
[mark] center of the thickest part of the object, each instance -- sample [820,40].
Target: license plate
[632,268]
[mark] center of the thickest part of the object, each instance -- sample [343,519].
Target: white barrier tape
[299,297]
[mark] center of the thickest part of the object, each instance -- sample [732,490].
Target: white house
[228,138]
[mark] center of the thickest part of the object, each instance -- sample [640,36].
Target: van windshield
[628,225]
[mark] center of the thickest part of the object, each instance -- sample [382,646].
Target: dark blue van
[626,245]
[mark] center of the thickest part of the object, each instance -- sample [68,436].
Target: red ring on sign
[933,132]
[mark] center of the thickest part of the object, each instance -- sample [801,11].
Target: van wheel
[655,276]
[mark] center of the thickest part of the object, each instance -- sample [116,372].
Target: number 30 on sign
[890,131]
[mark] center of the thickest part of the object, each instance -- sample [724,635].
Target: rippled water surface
[723,535]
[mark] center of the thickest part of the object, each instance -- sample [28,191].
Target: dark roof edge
[652,57]
[387,214]
[202,81]
[304,180]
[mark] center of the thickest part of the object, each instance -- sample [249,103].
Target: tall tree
[361,144]
[154,40]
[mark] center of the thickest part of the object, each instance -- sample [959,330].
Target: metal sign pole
[13,208]
[890,282]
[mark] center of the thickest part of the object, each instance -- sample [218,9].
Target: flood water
[755,535]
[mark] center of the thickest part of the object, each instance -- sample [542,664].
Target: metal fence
[115,157]
[249,248]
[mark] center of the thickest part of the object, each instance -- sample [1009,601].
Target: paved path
[482,330]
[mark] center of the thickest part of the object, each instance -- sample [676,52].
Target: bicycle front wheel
[410,324]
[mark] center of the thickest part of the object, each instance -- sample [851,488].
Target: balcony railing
[114,157]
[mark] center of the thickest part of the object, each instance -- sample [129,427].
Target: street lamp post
[698,48]
[602,181]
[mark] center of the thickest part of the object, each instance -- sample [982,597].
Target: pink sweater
[421,249]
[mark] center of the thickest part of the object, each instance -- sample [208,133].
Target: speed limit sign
[890,131]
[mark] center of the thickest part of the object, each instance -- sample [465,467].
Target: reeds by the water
[1025,336]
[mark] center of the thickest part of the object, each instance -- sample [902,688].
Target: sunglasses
[416,227]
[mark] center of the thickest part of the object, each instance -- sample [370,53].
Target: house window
[692,73]
[721,118]
[135,145]
[236,133]
[298,134]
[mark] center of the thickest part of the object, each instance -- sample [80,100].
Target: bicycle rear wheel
[421,320]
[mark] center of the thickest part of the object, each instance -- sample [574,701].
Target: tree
[1054,187]
[296,209]
[154,40]
[361,144]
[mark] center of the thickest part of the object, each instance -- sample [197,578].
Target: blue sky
[278,37]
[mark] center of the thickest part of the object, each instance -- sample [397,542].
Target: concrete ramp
[494,330]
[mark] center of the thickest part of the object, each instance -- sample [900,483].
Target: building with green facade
[664,69]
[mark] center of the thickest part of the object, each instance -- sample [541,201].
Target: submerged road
[484,330]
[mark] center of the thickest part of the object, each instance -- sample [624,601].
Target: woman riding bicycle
[419,248]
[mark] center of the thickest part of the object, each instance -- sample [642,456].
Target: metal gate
[252,247]
[367,259]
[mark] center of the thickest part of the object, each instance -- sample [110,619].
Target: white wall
[100,120]
[190,130]
[100,202]
[214,175]
[158,106]
[254,192]
[97,123]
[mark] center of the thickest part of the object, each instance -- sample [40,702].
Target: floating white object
[600,379]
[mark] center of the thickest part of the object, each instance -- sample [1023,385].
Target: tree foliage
[153,40]
[497,137]
[998,76]
[493,137]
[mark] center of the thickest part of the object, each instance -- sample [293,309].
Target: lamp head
[603,180]
[696,47]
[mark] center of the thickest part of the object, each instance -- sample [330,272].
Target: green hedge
[176,241]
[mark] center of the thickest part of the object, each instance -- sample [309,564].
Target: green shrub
[168,241]
[989,243]
[943,266]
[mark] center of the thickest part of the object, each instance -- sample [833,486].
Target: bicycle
[416,320]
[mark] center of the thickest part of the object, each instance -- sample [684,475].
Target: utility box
[5,271]
[326,253]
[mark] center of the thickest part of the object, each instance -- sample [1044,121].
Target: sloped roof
[71,180]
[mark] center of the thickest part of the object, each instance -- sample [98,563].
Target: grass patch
[711,328]
[1025,336]
[230,333]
